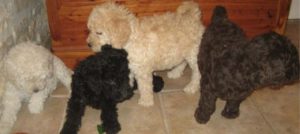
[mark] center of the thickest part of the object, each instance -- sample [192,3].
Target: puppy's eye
[99,33]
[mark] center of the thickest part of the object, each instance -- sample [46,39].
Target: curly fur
[29,72]
[233,67]
[159,42]
[101,81]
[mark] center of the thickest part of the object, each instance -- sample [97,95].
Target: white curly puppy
[159,42]
[29,73]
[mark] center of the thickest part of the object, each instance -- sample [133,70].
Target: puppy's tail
[219,14]
[63,73]
[189,9]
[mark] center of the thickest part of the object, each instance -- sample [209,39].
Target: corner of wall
[295,10]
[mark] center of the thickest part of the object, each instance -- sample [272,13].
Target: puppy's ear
[120,32]
[106,47]
[123,52]
[113,52]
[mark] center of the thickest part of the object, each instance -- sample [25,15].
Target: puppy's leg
[177,71]
[75,111]
[11,106]
[109,117]
[231,109]
[131,79]
[207,106]
[145,87]
[194,84]
[37,100]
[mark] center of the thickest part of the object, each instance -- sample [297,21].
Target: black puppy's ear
[219,14]
[106,47]
[123,52]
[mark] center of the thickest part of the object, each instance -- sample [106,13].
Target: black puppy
[232,67]
[101,81]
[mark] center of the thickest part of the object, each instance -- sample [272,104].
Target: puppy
[28,73]
[101,81]
[159,42]
[233,67]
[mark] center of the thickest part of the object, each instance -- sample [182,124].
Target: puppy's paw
[35,108]
[200,117]
[112,128]
[174,74]
[191,89]
[146,102]
[68,131]
[230,114]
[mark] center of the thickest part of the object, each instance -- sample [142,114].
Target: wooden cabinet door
[67,19]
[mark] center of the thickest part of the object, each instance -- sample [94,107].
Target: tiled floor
[265,112]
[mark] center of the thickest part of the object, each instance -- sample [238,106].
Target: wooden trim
[72,54]
[53,19]
[282,15]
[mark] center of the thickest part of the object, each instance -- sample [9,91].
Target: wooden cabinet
[67,19]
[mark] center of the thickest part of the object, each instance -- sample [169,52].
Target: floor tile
[134,119]
[280,108]
[179,110]
[60,91]
[47,122]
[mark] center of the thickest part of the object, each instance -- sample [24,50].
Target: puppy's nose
[89,45]
[36,90]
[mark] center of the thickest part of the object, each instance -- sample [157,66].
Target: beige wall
[22,20]
[295,10]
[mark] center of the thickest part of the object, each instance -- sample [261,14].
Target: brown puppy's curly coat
[232,67]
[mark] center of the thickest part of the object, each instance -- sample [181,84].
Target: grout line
[59,96]
[163,91]
[63,118]
[261,113]
[170,90]
[163,112]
